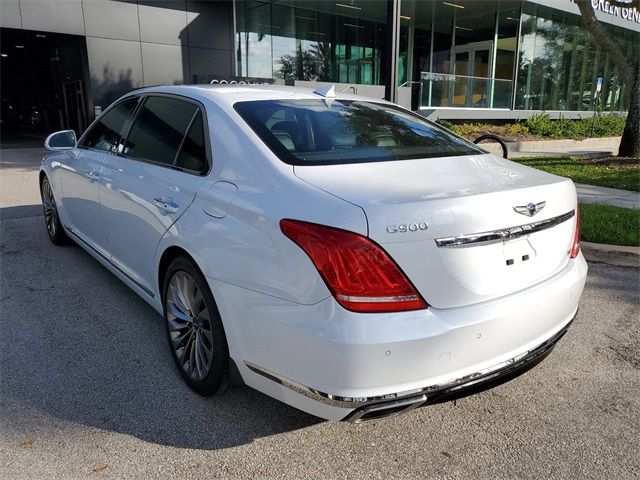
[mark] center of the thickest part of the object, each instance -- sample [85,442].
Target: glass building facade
[559,64]
[312,41]
[500,59]
[480,54]
[466,54]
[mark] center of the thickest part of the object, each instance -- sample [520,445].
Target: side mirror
[63,140]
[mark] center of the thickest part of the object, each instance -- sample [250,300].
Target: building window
[329,43]
[559,64]
[464,52]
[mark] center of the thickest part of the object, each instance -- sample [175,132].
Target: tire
[194,328]
[55,230]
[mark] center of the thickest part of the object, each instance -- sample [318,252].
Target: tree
[628,69]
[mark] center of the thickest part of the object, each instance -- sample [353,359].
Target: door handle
[166,204]
[92,175]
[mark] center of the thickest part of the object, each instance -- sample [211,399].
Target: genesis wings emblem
[531,209]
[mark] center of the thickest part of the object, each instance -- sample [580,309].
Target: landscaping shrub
[601,125]
[445,123]
[541,125]
[515,129]
[468,129]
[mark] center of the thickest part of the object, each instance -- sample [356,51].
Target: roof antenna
[328,91]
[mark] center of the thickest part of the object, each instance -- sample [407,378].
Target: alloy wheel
[50,212]
[189,324]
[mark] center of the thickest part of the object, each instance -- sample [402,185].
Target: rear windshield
[329,131]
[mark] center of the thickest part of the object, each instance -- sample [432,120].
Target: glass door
[461,80]
[472,73]
[481,68]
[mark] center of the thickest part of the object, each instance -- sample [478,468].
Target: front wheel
[55,230]
[194,328]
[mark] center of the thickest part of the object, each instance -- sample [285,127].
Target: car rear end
[359,360]
[469,274]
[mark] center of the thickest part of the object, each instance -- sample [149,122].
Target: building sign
[631,14]
[229,80]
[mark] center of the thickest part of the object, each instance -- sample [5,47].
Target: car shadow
[20,211]
[80,346]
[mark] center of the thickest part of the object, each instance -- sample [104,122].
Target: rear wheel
[194,328]
[55,230]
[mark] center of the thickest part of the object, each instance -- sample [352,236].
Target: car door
[153,181]
[81,175]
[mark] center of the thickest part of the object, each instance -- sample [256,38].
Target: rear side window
[321,132]
[105,134]
[193,154]
[159,129]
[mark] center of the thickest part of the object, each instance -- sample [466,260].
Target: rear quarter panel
[246,247]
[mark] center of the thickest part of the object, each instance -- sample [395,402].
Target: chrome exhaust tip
[385,410]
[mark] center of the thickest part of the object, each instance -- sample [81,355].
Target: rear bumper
[431,393]
[341,365]
[460,387]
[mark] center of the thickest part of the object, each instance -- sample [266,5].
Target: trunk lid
[456,198]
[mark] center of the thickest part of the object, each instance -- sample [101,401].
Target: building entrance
[472,68]
[44,81]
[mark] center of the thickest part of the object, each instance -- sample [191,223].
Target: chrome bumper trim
[468,380]
[503,234]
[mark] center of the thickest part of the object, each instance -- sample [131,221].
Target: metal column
[393,50]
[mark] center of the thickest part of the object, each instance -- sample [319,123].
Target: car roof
[229,94]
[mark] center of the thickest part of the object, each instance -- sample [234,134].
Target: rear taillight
[575,247]
[359,273]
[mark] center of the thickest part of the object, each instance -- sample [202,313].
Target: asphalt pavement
[88,388]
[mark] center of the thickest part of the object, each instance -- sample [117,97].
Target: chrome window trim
[502,234]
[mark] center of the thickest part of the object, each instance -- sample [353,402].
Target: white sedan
[340,254]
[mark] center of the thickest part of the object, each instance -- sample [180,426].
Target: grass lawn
[610,225]
[625,177]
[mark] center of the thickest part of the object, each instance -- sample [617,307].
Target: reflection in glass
[463,54]
[288,40]
[559,65]
[104,134]
[304,132]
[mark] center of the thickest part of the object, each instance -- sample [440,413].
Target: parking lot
[88,388]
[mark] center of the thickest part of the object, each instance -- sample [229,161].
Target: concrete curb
[590,147]
[611,254]
[602,145]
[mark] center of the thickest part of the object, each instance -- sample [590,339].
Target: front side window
[158,133]
[307,132]
[105,134]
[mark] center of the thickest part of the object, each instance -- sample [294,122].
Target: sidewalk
[607,196]
[589,147]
